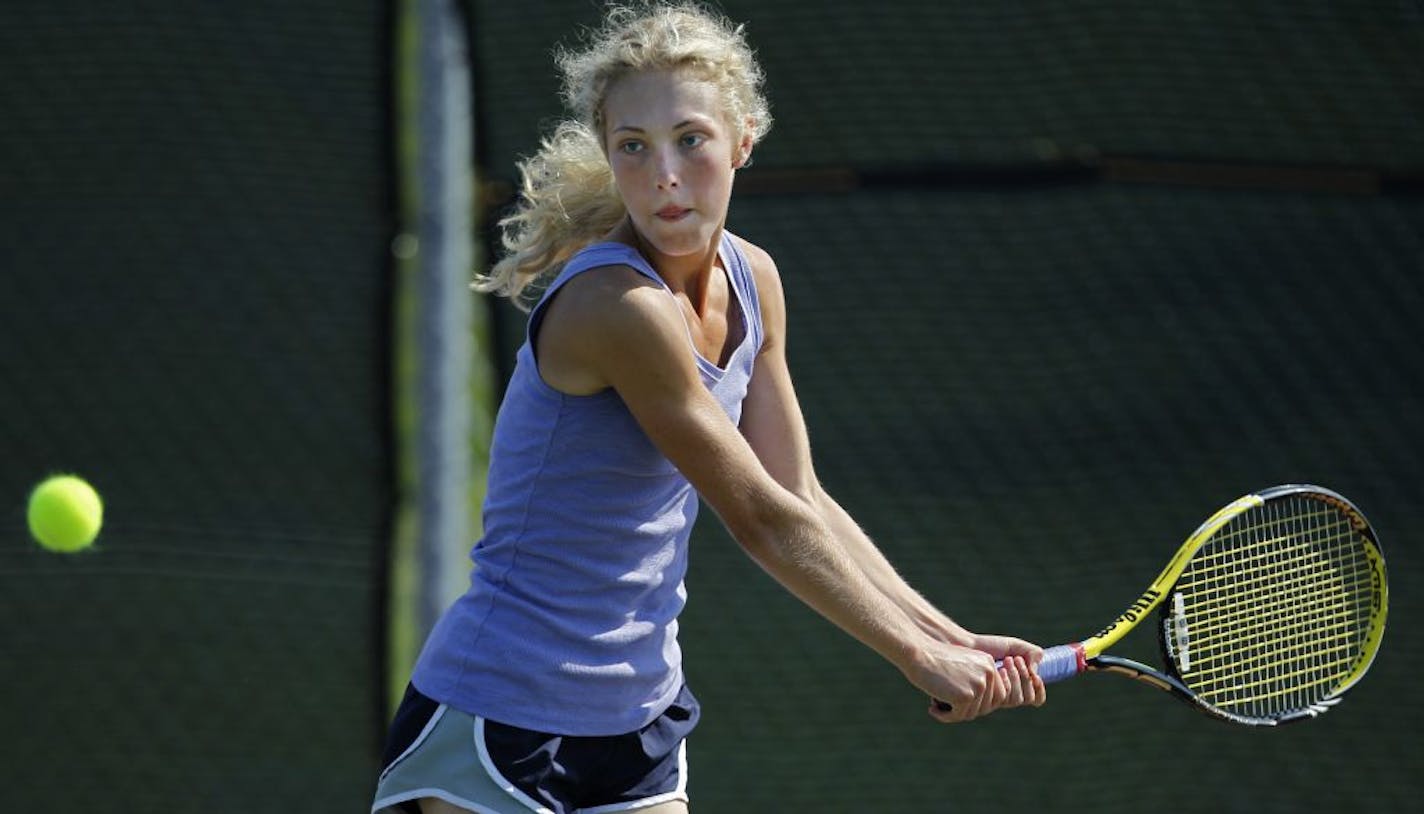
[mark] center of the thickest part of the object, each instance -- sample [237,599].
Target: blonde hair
[568,198]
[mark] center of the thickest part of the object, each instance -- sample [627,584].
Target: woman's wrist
[940,627]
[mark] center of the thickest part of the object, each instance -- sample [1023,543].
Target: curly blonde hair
[568,198]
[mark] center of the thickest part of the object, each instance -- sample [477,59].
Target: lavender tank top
[570,622]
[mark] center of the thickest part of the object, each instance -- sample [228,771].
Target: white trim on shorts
[419,739]
[498,778]
[421,793]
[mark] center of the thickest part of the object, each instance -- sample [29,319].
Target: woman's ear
[742,157]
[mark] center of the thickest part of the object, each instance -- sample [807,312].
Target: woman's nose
[667,172]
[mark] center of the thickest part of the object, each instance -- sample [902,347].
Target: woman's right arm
[622,331]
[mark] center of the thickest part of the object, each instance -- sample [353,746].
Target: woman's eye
[693,139]
[630,147]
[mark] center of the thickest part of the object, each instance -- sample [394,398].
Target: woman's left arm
[773,425]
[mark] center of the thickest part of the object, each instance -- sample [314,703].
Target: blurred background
[1063,278]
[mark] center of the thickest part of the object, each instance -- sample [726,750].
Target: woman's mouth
[672,213]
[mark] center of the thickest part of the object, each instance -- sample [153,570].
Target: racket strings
[1213,560]
[1300,662]
[1279,629]
[1279,696]
[1227,680]
[1282,602]
[1277,605]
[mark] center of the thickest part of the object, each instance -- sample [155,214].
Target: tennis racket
[1271,610]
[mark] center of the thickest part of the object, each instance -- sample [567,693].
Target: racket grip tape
[1061,662]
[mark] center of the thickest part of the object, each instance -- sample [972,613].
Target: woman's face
[673,156]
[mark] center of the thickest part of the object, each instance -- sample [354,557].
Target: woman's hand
[1020,665]
[964,683]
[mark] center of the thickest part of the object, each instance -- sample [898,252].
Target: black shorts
[475,763]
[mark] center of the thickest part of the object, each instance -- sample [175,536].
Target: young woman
[654,373]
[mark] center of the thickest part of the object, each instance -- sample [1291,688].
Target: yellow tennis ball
[65,513]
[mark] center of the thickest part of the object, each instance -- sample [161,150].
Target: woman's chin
[678,238]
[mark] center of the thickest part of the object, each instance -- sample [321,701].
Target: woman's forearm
[886,579]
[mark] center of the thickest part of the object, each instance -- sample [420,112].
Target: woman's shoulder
[762,266]
[597,321]
[602,269]
[757,257]
[605,294]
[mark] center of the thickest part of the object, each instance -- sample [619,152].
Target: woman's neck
[684,274]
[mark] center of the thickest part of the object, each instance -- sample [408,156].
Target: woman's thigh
[432,805]
[670,807]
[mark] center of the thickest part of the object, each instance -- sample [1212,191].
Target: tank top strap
[739,272]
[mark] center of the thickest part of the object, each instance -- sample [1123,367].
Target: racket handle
[1061,662]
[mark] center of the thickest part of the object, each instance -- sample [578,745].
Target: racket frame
[1088,655]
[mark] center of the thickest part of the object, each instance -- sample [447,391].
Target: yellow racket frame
[1151,598]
